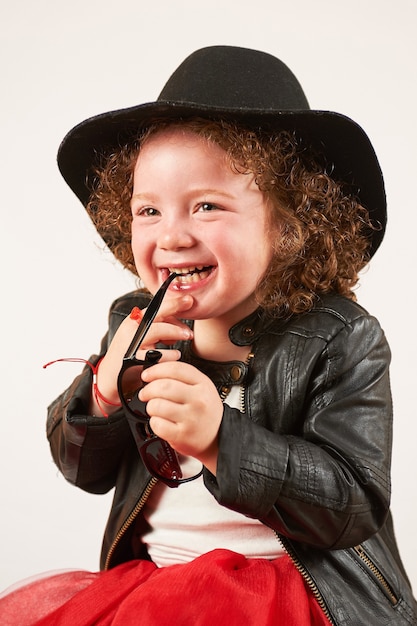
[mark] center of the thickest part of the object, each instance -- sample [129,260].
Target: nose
[175,236]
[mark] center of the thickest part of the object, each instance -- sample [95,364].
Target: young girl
[270,386]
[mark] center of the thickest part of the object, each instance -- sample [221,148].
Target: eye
[147,211]
[207,207]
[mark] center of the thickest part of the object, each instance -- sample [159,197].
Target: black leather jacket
[310,456]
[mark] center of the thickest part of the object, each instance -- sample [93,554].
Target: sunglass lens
[160,459]
[129,386]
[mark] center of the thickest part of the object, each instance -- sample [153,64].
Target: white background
[62,62]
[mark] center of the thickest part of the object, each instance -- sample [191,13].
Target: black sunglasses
[159,457]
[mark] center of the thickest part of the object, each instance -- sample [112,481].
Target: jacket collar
[247,330]
[227,373]
[222,373]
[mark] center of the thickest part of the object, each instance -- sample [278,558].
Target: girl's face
[194,216]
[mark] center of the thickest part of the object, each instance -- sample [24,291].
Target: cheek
[141,249]
[267,238]
[141,237]
[135,243]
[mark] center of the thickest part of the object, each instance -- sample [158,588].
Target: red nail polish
[136,314]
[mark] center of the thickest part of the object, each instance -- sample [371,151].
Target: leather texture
[310,455]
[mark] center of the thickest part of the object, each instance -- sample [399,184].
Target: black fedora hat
[250,87]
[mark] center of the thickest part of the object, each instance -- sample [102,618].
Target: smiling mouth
[190,275]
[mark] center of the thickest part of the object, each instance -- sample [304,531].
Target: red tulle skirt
[215,588]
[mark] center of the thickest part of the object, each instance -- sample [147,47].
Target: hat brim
[344,143]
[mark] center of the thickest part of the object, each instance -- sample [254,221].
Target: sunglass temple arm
[148,318]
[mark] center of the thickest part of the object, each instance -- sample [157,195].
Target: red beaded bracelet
[135,314]
[97,393]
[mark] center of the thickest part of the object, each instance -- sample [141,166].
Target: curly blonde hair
[319,231]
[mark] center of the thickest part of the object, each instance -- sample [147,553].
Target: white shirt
[187,521]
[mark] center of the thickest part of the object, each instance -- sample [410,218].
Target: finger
[164,428]
[165,389]
[165,410]
[167,355]
[161,332]
[178,370]
[174,306]
[163,329]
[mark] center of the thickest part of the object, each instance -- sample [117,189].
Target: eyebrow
[201,192]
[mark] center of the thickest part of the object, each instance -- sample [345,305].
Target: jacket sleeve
[88,449]
[324,480]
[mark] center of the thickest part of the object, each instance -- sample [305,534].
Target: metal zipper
[243,387]
[366,559]
[295,560]
[306,576]
[302,569]
[130,519]
[359,550]
[141,502]
[297,563]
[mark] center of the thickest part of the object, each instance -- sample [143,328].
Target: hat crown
[240,79]
[250,87]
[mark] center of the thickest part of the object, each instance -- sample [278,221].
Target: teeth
[186,270]
[188,275]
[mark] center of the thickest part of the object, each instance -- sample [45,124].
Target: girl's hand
[166,328]
[185,409]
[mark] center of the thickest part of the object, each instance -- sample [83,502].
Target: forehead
[177,137]
[180,161]
[184,151]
